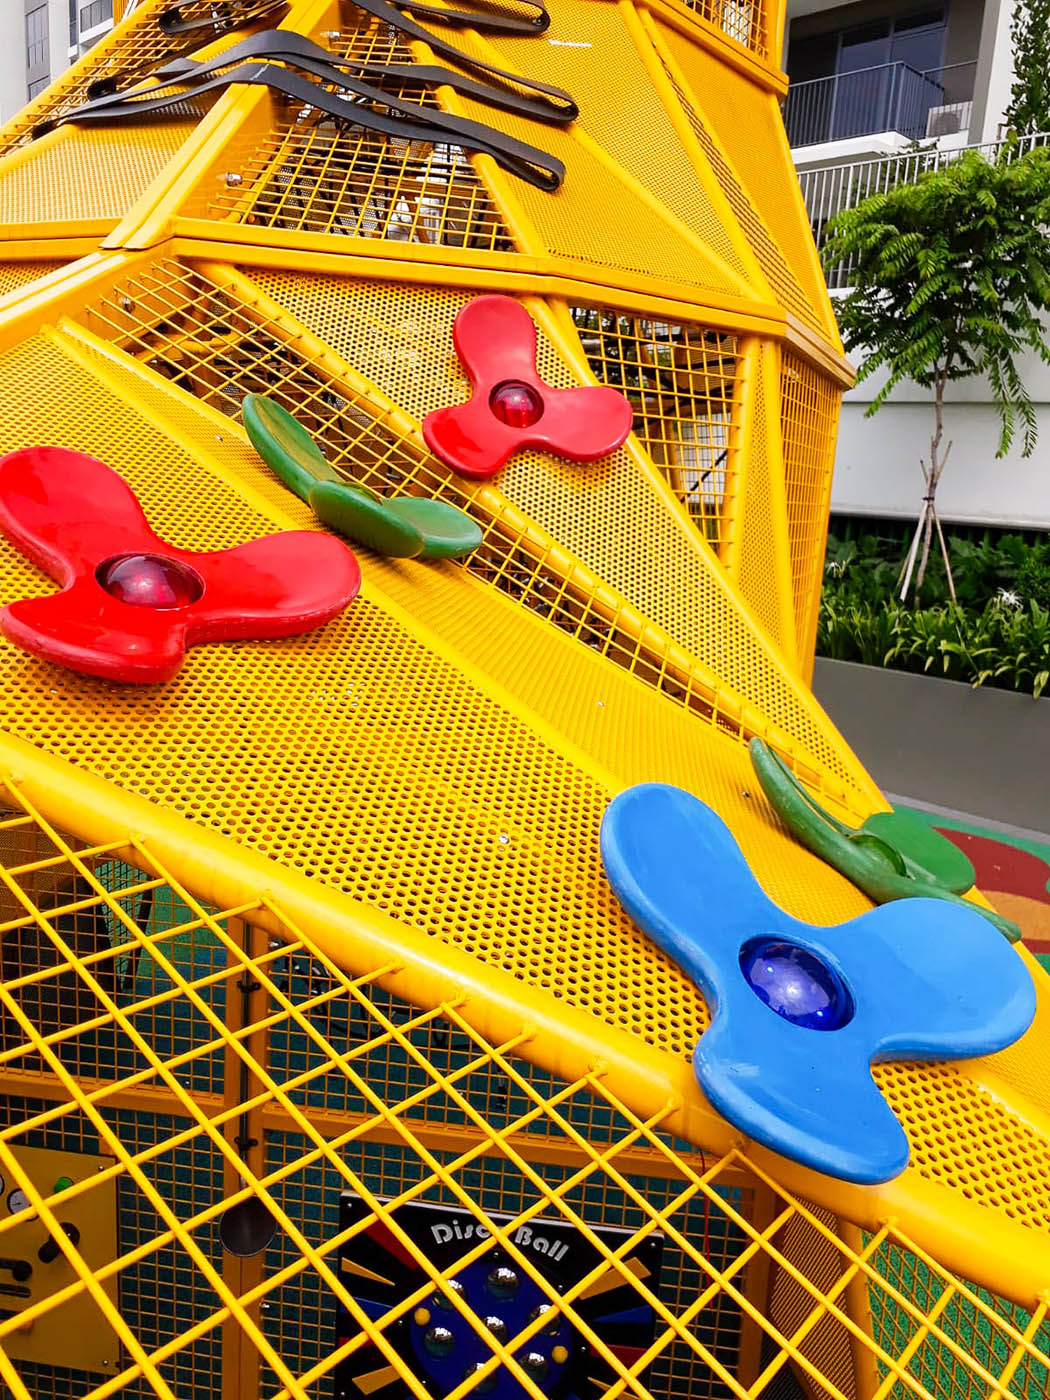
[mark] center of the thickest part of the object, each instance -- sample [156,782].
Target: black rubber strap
[286,46]
[388,14]
[489,20]
[486,21]
[170,21]
[527,162]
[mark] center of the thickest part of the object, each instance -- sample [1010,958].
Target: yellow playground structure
[352,967]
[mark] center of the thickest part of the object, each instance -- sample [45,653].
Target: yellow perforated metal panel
[604,214]
[91,175]
[761,547]
[809,413]
[745,124]
[592,43]
[402,337]
[15,275]
[761,239]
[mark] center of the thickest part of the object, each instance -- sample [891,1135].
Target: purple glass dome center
[796,984]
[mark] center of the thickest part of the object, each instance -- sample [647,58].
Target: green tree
[951,277]
[1029,109]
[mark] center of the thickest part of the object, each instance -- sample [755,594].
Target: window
[37,87]
[36,38]
[91,16]
[851,79]
[916,39]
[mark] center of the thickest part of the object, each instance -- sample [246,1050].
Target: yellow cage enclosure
[315,1002]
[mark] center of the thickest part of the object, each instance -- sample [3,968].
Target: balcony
[892,97]
[828,189]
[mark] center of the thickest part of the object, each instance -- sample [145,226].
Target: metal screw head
[553,1323]
[439,1341]
[439,1300]
[502,1282]
[126,304]
[233,179]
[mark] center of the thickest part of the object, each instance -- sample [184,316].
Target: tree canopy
[951,277]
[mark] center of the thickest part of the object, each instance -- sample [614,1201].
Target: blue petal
[676,869]
[806,1094]
[926,978]
[941,982]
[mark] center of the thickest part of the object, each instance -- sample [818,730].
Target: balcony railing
[828,189]
[891,97]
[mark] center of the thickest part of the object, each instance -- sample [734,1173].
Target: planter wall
[985,752]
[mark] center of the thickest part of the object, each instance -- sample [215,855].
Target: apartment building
[40,39]
[870,81]
[869,78]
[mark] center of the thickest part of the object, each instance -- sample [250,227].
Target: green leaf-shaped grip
[406,527]
[893,855]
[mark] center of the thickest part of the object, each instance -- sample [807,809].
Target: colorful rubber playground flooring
[1013,871]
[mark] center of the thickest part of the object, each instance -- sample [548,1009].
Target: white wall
[58,33]
[12,58]
[876,464]
[995,71]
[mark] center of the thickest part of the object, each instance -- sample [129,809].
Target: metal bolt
[233,179]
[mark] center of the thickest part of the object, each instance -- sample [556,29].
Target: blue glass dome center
[796,983]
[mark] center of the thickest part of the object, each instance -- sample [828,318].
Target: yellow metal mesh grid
[91,174]
[178,322]
[809,411]
[314,174]
[213,1066]
[131,51]
[742,20]
[679,379]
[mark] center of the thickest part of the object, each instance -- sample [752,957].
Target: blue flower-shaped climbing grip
[799,1012]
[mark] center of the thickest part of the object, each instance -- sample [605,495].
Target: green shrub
[999,634]
[868,566]
[1033,576]
[1001,644]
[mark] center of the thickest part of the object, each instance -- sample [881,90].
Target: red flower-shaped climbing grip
[511,406]
[130,603]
